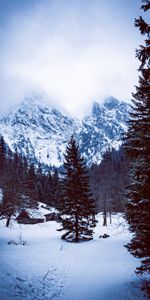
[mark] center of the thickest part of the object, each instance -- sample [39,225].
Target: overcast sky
[76,51]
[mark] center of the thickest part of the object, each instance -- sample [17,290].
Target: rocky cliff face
[41,133]
[103,129]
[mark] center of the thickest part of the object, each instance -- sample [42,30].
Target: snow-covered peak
[111,103]
[41,132]
[95,108]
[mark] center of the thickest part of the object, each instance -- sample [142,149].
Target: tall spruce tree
[138,149]
[77,206]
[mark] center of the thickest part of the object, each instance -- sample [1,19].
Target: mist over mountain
[41,133]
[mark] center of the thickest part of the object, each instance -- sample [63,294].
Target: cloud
[74,53]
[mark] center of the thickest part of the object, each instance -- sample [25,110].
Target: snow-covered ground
[50,268]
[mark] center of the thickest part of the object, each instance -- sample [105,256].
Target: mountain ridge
[41,133]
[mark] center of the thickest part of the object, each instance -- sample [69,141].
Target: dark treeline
[109,180]
[22,185]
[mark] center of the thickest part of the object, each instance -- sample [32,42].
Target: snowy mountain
[103,129]
[41,132]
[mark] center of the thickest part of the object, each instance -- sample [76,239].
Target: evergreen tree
[56,189]
[12,199]
[138,149]
[108,181]
[12,187]
[49,189]
[47,186]
[40,183]
[31,189]
[77,206]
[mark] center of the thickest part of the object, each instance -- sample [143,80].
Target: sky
[72,51]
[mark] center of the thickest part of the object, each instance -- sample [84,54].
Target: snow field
[50,268]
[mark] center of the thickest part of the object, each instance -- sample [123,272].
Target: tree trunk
[8,221]
[110,218]
[104,218]
[77,229]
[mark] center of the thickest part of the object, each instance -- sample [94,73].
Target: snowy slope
[41,133]
[37,131]
[50,268]
[103,129]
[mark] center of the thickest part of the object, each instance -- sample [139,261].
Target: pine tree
[12,188]
[108,181]
[56,189]
[31,189]
[138,149]
[77,207]
[12,199]
[49,189]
